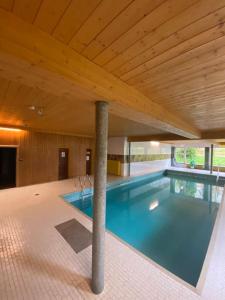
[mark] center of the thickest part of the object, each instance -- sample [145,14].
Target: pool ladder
[218,175]
[82,182]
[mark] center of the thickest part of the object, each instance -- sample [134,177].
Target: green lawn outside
[199,160]
[219,161]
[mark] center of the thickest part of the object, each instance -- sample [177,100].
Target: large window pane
[190,156]
[180,155]
[219,157]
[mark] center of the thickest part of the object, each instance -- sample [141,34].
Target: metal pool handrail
[82,181]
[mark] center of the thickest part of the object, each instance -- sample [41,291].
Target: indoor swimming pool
[167,218]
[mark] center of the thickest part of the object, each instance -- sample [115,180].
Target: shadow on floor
[54,271]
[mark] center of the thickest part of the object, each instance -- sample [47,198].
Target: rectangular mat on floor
[76,235]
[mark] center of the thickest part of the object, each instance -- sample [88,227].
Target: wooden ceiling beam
[156,137]
[214,134]
[27,43]
[211,136]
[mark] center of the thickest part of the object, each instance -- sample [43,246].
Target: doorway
[88,161]
[63,163]
[7,167]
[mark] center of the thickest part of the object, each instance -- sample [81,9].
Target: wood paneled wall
[37,155]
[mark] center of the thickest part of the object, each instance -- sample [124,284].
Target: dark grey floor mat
[75,234]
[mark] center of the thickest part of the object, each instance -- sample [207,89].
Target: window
[219,157]
[190,155]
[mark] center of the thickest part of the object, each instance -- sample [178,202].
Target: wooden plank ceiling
[171,51]
[56,113]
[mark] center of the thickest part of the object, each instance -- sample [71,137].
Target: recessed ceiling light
[40,112]
[38,109]
[31,107]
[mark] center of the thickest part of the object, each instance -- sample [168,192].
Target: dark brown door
[7,167]
[88,161]
[63,163]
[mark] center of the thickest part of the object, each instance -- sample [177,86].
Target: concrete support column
[99,205]
[207,158]
[172,156]
[129,160]
[211,159]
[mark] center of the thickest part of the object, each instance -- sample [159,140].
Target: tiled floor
[37,263]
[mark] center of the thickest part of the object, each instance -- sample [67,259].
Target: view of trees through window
[196,156]
[190,155]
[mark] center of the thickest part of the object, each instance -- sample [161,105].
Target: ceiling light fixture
[10,129]
[38,109]
[31,107]
[154,143]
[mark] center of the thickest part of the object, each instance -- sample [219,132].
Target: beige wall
[116,145]
[37,155]
[117,152]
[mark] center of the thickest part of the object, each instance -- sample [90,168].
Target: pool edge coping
[211,246]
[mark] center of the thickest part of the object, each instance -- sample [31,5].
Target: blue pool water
[169,219]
